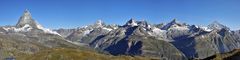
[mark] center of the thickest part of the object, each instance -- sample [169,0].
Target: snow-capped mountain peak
[27,15]
[26,18]
[144,24]
[175,25]
[26,23]
[99,23]
[131,22]
[217,25]
[205,28]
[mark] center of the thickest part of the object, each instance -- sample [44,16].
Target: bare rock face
[135,40]
[26,18]
[201,44]
[172,41]
[65,32]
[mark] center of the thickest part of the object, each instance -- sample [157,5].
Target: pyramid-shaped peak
[26,19]
[27,13]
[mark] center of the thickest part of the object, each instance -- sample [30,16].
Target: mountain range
[171,41]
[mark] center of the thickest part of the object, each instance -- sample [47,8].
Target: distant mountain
[135,38]
[175,25]
[217,25]
[85,35]
[144,39]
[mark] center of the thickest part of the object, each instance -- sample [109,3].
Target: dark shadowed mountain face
[171,41]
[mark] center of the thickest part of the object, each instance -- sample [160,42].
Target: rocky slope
[161,40]
[134,38]
[85,35]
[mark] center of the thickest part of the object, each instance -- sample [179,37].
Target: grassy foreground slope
[233,55]
[74,54]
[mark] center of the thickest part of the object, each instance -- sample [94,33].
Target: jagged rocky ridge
[85,35]
[173,40]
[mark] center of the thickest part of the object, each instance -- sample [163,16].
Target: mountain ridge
[173,41]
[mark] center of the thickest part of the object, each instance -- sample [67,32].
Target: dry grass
[74,54]
[233,55]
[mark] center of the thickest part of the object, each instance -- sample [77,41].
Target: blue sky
[76,13]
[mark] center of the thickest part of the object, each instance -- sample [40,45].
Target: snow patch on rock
[107,29]
[25,28]
[47,30]
[86,32]
[206,29]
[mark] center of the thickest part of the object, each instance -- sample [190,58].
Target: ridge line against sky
[77,13]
